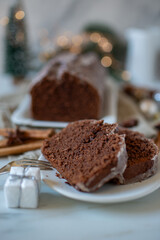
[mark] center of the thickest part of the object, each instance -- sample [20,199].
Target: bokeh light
[4,21]
[106,61]
[95,37]
[19,15]
[62,41]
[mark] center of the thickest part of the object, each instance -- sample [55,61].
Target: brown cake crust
[87,153]
[142,157]
[69,88]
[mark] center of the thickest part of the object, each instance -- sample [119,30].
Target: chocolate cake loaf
[87,153]
[142,157]
[69,88]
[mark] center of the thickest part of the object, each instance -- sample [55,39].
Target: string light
[106,61]
[125,75]
[74,44]
[107,47]
[77,40]
[95,37]
[102,41]
[62,41]
[4,21]
[105,44]
[19,15]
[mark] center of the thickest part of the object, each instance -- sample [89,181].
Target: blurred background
[125,34]
[51,18]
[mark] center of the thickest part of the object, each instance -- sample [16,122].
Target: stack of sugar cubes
[22,187]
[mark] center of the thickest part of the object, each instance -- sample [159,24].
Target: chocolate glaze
[142,157]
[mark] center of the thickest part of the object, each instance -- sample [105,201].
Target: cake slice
[142,157]
[87,153]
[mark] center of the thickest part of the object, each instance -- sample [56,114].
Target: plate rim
[104,201]
[145,190]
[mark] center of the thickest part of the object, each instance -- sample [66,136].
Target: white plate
[22,115]
[109,193]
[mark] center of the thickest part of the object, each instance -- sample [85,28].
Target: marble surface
[61,218]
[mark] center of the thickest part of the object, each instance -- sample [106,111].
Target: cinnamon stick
[28,133]
[32,145]
[3,143]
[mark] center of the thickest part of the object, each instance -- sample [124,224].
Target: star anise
[15,138]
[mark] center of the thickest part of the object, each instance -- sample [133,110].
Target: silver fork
[26,162]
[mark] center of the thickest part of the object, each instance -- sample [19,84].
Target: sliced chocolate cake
[69,88]
[87,153]
[142,157]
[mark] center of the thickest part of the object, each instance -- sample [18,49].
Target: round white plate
[109,193]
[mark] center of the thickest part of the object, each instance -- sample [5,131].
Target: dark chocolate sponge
[142,157]
[69,88]
[87,153]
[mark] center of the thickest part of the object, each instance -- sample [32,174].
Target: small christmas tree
[16,42]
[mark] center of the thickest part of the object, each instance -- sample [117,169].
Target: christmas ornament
[148,107]
[16,50]
[148,100]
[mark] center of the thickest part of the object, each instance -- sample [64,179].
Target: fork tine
[41,166]
[32,164]
[33,159]
[5,168]
[36,162]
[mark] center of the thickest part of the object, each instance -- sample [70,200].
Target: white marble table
[60,218]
